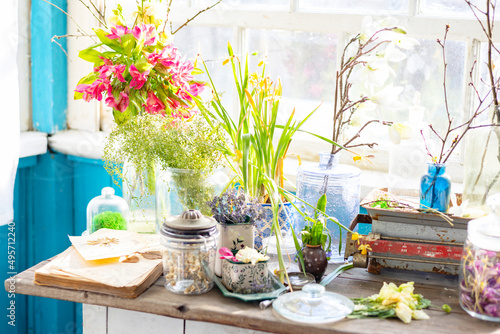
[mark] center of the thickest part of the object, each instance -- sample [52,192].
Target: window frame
[341,23]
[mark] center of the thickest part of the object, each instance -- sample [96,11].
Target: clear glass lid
[313,305]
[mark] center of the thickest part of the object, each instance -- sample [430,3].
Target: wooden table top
[214,307]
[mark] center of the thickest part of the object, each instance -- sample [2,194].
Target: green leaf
[112,43]
[143,65]
[321,206]
[129,43]
[90,55]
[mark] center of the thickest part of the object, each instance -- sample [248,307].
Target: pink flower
[138,78]
[95,90]
[119,104]
[181,75]
[227,254]
[153,104]
[118,31]
[194,90]
[106,70]
[146,30]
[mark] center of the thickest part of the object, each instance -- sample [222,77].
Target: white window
[304,39]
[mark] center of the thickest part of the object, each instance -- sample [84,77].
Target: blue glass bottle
[435,188]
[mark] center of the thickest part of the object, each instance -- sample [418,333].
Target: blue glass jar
[435,188]
[341,184]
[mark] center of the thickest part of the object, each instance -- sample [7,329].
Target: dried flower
[233,207]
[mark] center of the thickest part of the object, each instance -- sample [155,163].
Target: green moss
[108,219]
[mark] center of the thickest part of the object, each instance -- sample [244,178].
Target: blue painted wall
[48,66]
[50,200]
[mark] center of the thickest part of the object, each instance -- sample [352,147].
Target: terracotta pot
[315,260]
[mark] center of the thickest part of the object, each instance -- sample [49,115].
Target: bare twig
[54,40]
[100,19]
[192,18]
[71,17]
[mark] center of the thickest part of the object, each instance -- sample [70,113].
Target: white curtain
[9,120]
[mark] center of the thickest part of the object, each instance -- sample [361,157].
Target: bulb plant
[257,145]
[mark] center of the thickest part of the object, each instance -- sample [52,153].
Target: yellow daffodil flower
[364,249]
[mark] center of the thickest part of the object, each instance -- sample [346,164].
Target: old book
[126,276]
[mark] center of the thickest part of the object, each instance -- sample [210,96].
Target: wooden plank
[212,307]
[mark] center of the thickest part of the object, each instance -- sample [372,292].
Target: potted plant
[361,81]
[257,145]
[314,237]
[236,215]
[187,156]
[246,271]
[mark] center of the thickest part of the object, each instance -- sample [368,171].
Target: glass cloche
[107,211]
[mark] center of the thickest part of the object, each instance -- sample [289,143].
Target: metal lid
[189,222]
[313,305]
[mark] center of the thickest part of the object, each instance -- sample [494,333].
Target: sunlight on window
[358,5]
[306,63]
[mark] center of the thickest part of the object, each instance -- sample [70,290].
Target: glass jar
[107,211]
[181,189]
[480,267]
[482,163]
[189,245]
[139,192]
[341,183]
[435,188]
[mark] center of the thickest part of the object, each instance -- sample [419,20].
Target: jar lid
[189,222]
[313,305]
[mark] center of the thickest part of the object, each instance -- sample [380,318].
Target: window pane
[211,43]
[256,4]
[422,100]
[306,63]
[357,5]
[447,7]
[484,85]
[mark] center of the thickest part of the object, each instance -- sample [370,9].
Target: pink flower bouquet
[138,69]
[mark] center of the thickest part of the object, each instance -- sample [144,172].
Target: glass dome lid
[313,305]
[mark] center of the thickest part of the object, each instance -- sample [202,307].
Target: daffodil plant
[258,145]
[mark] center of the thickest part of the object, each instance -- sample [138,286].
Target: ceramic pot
[234,237]
[246,278]
[315,260]
[263,227]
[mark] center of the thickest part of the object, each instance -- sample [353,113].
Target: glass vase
[435,188]
[482,163]
[341,184]
[480,266]
[139,193]
[183,189]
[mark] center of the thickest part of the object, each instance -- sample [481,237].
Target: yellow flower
[355,236]
[364,249]
[239,155]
